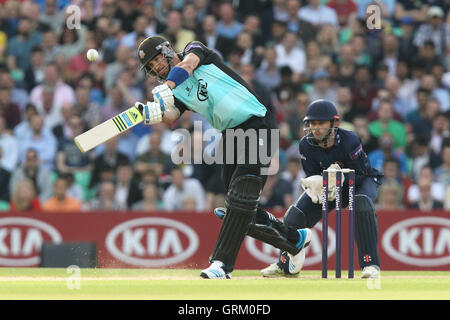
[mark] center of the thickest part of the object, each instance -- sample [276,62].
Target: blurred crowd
[391,85]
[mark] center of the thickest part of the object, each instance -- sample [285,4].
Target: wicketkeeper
[325,146]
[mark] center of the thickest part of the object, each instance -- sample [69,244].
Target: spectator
[61,201]
[71,41]
[345,10]
[424,125]
[24,197]
[41,140]
[406,46]
[105,200]
[295,120]
[89,111]
[268,74]
[322,88]
[49,45]
[391,170]
[425,202]
[363,92]
[127,13]
[415,9]
[421,155]
[9,152]
[291,55]
[19,96]
[344,105]
[361,127]
[227,25]
[189,18]
[318,14]
[328,41]
[428,81]
[386,151]
[442,173]
[346,62]
[390,196]
[113,69]
[244,41]
[69,158]
[34,74]
[294,173]
[105,164]
[386,123]
[8,109]
[426,177]
[277,193]
[150,200]
[141,25]
[212,39]
[436,30]
[60,92]
[52,16]
[182,188]
[126,189]
[19,47]
[440,132]
[175,33]
[31,170]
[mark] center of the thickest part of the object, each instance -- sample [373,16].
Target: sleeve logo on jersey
[191,46]
[355,153]
[202,91]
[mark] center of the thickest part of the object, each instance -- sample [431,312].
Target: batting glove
[151,112]
[164,96]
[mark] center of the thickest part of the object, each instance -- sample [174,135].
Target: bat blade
[108,129]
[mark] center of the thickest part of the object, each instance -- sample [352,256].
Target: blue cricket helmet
[322,110]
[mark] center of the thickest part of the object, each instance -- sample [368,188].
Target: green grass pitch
[185,284]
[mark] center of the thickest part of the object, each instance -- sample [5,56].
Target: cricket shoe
[215,271]
[296,262]
[371,272]
[279,268]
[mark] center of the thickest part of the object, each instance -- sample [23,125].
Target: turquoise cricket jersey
[216,92]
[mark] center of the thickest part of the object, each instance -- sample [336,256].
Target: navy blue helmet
[321,110]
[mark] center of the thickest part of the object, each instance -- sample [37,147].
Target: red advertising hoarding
[408,240]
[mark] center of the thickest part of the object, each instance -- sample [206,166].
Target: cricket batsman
[198,80]
[325,146]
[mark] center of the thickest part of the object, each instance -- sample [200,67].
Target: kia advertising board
[408,240]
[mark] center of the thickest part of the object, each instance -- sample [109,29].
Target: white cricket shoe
[215,271]
[273,270]
[296,262]
[371,272]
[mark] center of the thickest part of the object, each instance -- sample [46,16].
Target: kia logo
[152,242]
[268,254]
[21,240]
[423,241]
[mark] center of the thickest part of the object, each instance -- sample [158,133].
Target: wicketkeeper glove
[164,96]
[152,112]
[313,187]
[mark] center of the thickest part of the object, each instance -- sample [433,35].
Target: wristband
[177,75]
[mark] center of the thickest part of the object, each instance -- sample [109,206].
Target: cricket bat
[108,129]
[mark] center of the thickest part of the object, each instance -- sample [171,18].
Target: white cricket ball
[92,55]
